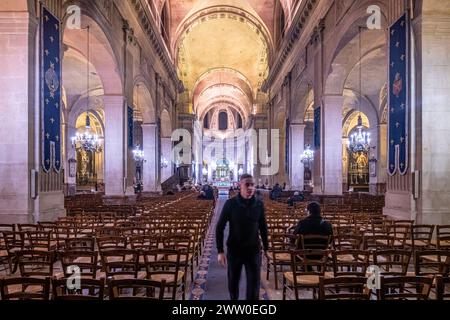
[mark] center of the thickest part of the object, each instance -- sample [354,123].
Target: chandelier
[87,141]
[307,155]
[359,141]
[138,155]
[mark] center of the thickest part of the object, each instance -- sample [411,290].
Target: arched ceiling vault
[223,49]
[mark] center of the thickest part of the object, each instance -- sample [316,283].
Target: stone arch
[143,102]
[103,47]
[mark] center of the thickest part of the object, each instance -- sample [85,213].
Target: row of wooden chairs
[29,288]
[308,270]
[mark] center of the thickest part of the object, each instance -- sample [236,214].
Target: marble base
[398,205]
[50,206]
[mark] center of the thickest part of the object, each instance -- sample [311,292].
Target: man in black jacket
[246,218]
[314,224]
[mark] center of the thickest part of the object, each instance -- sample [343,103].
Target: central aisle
[211,278]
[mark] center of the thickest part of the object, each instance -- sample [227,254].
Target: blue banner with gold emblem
[398,96]
[50,90]
[130,121]
[317,128]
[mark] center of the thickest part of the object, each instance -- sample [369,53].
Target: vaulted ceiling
[222,48]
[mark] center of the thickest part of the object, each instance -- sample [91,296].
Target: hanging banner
[398,96]
[317,128]
[130,120]
[50,84]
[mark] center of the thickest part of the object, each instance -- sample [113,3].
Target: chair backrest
[111,242]
[27,227]
[393,262]
[405,288]
[431,262]
[344,288]
[442,283]
[347,241]
[164,264]
[120,262]
[378,241]
[314,242]
[41,288]
[80,244]
[34,263]
[39,240]
[308,262]
[422,233]
[86,289]
[136,289]
[350,263]
[82,261]
[443,237]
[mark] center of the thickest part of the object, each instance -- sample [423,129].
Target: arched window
[223,120]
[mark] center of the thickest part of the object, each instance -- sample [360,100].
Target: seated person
[297,197]
[209,193]
[276,192]
[314,224]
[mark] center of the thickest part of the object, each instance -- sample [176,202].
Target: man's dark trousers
[252,263]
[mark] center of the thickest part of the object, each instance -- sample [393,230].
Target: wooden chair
[378,241]
[420,237]
[314,242]
[38,264]
[164,264]
[41,241]
[279,254]
[111,243]
[307,266]
[86,261]
[344,288]
[89,289]
[442,284]
[182,243]
[80,244]
[347,241]
[392,262]
[25,288]
[350,263]
[121,264]
[4,255]
[443,237]
[432,262]
[405,288]
[136,289]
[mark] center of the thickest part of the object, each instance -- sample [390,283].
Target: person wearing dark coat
[297,197]
[247,222]
[314,224]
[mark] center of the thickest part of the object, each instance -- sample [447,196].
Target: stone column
[331,145]
[434,87]
[115,145]
[297,137]
[150,147]
[17,118]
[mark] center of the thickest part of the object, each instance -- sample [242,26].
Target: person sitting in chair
[314,225]
[297,197]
